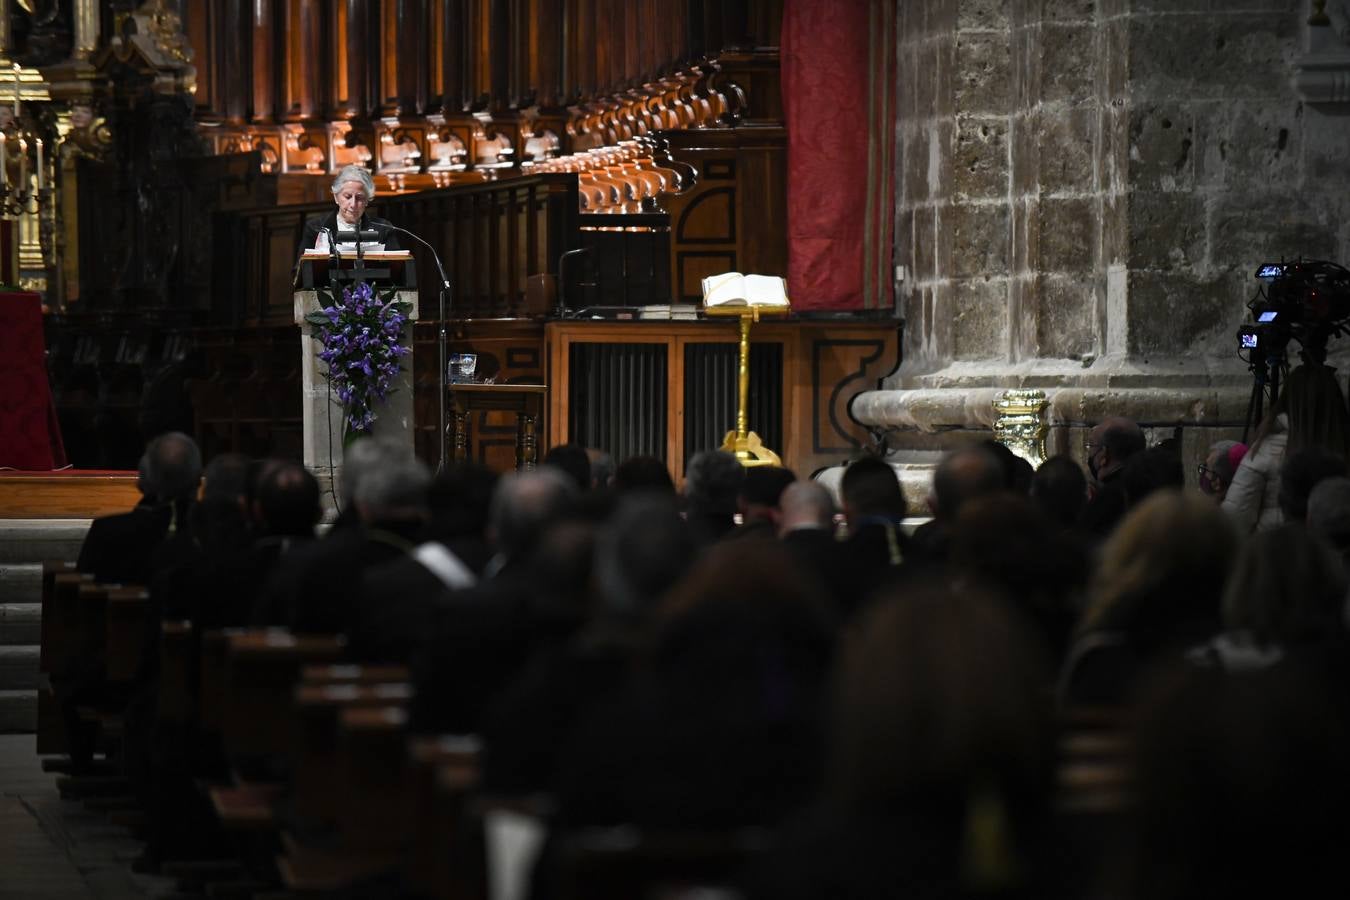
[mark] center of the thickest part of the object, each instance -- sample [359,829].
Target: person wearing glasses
[1109,446]
[1215,474]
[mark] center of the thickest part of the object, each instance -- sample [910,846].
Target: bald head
[805,504]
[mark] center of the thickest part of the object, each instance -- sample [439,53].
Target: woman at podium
[353,189]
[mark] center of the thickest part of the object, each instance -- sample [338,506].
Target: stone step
[20,623]
[18,668]
[35,540]
[18,712]
[20,582]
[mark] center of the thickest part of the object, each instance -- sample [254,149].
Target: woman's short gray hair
[354,172]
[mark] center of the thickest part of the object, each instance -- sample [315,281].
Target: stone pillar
[1086,192]
[322,411]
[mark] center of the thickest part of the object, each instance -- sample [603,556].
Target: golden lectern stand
[744,444]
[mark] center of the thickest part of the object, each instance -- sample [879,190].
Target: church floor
[56,849]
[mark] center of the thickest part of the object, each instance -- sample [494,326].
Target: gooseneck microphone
[441,337]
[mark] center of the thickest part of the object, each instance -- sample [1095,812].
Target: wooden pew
[51,730]
[315,790]
[446,859]
[262,667]
[126,632]
[625,862]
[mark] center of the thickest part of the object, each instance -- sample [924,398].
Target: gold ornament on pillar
[1020,424]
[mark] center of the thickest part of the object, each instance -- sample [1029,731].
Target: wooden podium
[322,412]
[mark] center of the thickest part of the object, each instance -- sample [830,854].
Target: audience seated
[1221,463]
[1329,513]
[1241,787]
[961,476]
[1310,412]
[1285,597]
[1157,593]
[876,710]
[941,766]
[1109,446]
[1301,472]
[118,548]
[876,548]
[758,499]
[712,484]
[1060,488]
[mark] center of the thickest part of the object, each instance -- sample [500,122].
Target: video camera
[1307,300]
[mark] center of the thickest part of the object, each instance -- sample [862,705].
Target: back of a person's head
[1240,787]
[1060,488]
[1301,472]
[869,487]
[173,466]
[643,473]
[964,474]
[1317,412]
[643,549]
[712,481]
[1008,543]
[1163,569]
[367,455]
[572,460]
[942,694]
[287,499]
[1122,438]
[394,493]
[1329,512]
[1288,589]
[459,499]
[1225,459]
[806,503]
[746,609]
[525,504]
[1154,469]
[1017,472]
[602,468]
[764,485]
[226,478]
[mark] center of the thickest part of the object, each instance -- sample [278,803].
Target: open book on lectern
[735,289]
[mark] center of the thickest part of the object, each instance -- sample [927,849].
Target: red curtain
[838,63]
[30,437]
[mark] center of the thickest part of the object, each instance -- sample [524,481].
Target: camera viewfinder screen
[1268,316]
[1248,342]
[1270,271]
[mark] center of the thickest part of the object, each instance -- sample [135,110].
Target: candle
[16,93]
[23,165]
[39,163]
[4,177]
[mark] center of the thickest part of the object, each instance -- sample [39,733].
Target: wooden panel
[72,495]
[302,70]
[824,365]
[264,57]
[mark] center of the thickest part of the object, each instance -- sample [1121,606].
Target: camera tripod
[1267,369]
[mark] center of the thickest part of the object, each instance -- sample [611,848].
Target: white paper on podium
[347,246]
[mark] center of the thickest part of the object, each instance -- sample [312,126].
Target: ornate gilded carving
[1020,424]
[88,137]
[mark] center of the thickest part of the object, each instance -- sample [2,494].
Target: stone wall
[1087,189]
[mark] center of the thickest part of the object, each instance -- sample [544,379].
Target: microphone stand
[440,337]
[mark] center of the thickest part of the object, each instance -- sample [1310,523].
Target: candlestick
[39,164]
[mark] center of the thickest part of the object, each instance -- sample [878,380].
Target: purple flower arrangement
[360,336]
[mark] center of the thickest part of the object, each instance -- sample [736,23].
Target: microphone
[441,335]
[334,258]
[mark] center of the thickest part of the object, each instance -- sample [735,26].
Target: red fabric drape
[838,92]
[30,437]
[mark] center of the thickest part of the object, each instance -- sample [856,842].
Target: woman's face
[351,201]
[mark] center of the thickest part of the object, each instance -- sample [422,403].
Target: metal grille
[616,398]
[710,395]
